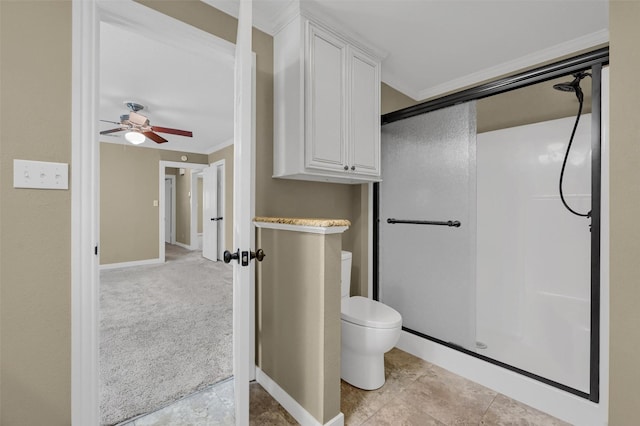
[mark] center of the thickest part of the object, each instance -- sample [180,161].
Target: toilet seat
[369,313]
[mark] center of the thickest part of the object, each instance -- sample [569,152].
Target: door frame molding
[193,225]
[85,167]
[222,205]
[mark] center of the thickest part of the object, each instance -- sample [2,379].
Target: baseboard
[130,264]
[298,412]
[184,246]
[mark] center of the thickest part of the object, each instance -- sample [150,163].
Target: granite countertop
[325,223]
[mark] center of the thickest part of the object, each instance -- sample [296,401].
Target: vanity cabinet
[326,106]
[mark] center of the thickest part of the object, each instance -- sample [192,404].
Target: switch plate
[40,175]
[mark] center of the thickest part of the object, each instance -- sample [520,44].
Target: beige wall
[392,100]
[226,154]
[625,210]
[35,247]
[35,225]
[298,317]
[129,222]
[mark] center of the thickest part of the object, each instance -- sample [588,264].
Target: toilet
[369,329]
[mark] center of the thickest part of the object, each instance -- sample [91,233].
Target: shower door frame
[593,61]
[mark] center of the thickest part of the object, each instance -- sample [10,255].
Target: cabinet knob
[346,167]
[353,167]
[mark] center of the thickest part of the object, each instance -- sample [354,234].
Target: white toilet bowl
[369,329]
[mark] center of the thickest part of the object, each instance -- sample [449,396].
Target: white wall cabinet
[326,106]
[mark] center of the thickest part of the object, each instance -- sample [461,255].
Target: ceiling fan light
[135,138]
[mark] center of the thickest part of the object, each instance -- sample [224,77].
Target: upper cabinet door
[325,104]
[364,111]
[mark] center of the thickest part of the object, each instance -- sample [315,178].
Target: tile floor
[415,393]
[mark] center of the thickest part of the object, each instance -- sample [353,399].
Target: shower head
[565,87]
[573,86]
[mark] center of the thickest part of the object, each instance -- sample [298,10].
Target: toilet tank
[346,273]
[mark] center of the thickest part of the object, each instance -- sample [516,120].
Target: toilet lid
[369,313]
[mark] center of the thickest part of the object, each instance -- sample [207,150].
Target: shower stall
[473,245]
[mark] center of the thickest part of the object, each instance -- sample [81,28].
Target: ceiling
[179,88]
[432,47]
[428,48]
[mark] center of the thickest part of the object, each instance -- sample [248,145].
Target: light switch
[40,175]
[155,203]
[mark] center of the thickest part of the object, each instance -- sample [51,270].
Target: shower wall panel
[533,256]
[427,272]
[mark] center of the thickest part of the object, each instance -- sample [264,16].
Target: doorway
[87,18]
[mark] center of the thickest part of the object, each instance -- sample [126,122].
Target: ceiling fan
[138,127]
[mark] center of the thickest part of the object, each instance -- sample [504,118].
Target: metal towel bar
[453,223]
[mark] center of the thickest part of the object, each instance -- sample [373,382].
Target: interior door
[210,216]
[243,229]
[168,217]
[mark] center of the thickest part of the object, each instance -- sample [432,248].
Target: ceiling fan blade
[155,137]
[112,122]
[172,131]
[106,132]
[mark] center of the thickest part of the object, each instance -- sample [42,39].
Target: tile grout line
[488,407]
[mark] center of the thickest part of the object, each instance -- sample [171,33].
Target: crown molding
[554,52]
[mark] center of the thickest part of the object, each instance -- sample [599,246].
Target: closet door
[427,272]
[325,107]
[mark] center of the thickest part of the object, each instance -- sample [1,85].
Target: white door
[220,194]
[168,203]
[210,213]
[243,182]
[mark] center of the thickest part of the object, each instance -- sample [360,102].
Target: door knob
[258,255]
[216,218]
[228,256]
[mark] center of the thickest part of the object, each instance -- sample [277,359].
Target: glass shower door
[427,271]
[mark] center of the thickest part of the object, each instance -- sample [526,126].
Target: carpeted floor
[165,332]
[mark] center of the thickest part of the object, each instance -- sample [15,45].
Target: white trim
[145,21]
[162,165]
[298,412]
[536,58]
[185,246]
[85,404]
[86,19]
[605,253]
[553,52]
[222,182]
[120,265]
[303,228]
[219,146]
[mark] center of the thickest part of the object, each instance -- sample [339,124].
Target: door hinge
[95,250]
